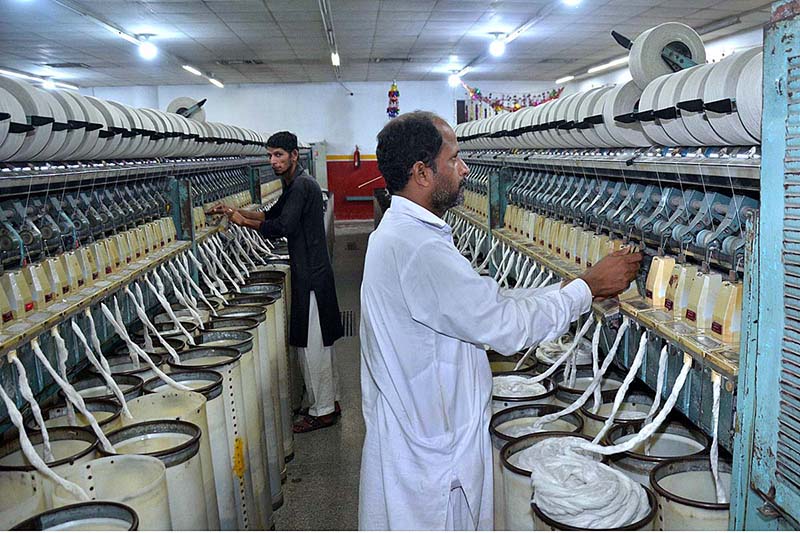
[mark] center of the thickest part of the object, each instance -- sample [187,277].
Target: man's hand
[237,218]
[221,209]
[612,274]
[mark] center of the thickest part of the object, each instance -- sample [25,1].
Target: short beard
[442,200]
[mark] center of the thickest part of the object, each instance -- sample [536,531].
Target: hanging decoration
[482,106]
[393,109]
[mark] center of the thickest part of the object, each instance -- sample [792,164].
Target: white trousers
[318,364]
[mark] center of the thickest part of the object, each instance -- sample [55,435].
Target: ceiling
[378,40]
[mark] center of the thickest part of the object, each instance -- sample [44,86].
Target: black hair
[283,139]
[405,140]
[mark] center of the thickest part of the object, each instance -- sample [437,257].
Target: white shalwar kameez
[425,378]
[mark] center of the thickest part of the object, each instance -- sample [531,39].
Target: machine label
[691,315]
[567,254]
[108,270]
[8,317]
[28,306]
[648,294]
[668,304]
[48,297]
[716,327]
[65,289]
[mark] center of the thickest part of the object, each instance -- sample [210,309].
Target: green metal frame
[760,499]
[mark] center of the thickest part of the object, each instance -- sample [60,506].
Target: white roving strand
[623,390]
[716,382]
[186,287]
[217,251]
[61,356]
[647,430]
[242,252]
[217,283]
[30,452]
[509,267]
[598,394]
[148,342]
[96,341]
[162,291]
[501,267]
[185,270]
[596,380]
[545,282]
[183,300]
[529,278]
[523,272]
[106,376]
[560,361]
[662,372]
[27,394]
[142,314]
[475,250]
[488,256]
[122,332]
[233,260]
[165,305]
[580,491]
[209,254]
[513,385]
[72,396]
[131,353]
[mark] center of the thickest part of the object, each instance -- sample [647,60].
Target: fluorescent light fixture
[565,79]
[453,80]
[611,64]
[147,50]
[571,3]
[463,72]
[216,83]
[189,68]
[335,59]
[65,85]
[453,58]
[19,75]
[48,84]
[130,38]
[498,46]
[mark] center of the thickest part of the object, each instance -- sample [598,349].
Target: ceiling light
[565,79]
[130,38]
[216,83]
[463,72]
[498,46]
[571,3]
[189,68]
[48,84]
[148,50]
[335,59]
[611,64]
[453,58]
[453,80]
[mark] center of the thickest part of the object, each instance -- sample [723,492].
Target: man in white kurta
[425,378]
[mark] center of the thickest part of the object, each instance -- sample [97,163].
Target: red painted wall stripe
[344,180]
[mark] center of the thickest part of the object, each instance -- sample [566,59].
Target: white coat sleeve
[444,293]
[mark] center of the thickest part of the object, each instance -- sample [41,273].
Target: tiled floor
[321,490]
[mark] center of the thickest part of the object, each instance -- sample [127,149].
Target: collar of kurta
[407,207]
[297,171]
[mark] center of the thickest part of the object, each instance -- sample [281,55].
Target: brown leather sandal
[311,423]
